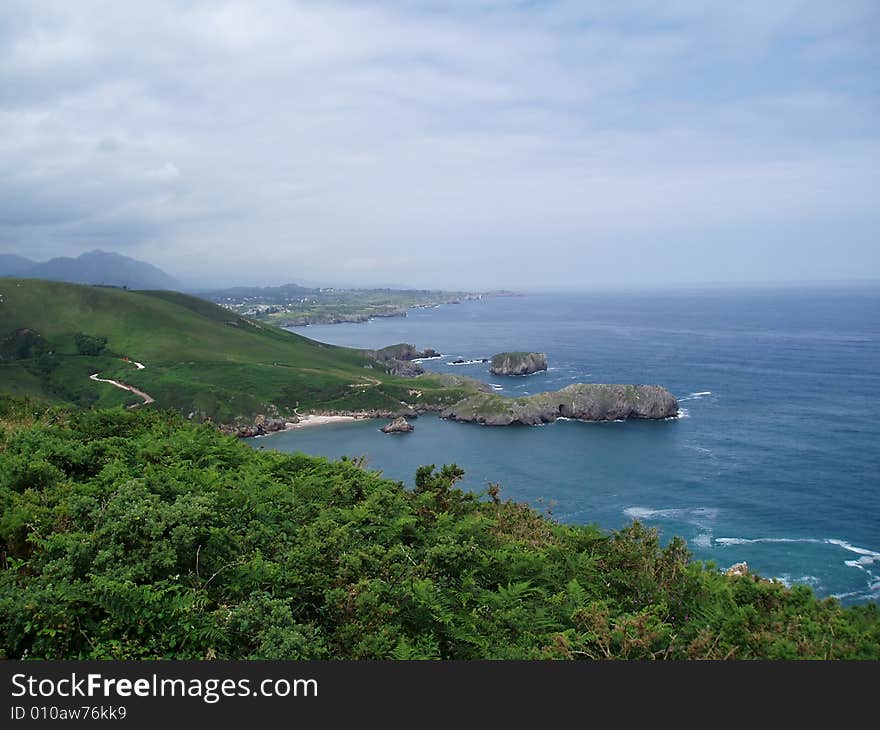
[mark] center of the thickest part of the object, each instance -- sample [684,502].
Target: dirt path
[372,384]
[130,388]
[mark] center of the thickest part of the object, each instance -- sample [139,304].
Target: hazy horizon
[456,145]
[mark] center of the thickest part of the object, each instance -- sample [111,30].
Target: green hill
[198,357]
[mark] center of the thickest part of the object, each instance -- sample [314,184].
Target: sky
[448,143]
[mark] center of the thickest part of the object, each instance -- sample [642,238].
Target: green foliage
[89,344]
[22,345]
[135,534]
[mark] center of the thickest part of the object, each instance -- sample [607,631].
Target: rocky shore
[261,426]
[583,402]
[401,359]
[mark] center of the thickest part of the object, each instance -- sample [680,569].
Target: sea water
[775,459]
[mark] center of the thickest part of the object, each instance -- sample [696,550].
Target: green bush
[89,345]
[135,534]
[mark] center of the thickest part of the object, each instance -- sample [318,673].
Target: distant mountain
[12,265]
[94,267]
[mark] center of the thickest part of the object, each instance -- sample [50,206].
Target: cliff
[518,363]
[583,401]
[398,359]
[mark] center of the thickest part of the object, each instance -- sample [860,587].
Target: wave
[688,513]
[787,580]
[425,359]
[872,594]
[725,541]
[866,557]
[696,396]
[853,549]
[468,362]
[701,518]
[682,413]
[861,562]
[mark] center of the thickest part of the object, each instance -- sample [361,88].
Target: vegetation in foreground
[199,358]
[136,534]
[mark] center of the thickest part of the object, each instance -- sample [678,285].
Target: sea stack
[398,425]
[518,363]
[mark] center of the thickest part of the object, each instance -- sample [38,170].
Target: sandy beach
[308,421]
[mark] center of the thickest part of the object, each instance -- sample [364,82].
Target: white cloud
[276,140]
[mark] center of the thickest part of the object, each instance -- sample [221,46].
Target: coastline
[311,421]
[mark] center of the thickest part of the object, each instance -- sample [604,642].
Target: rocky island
[518,363]
[398,425]
[582,401]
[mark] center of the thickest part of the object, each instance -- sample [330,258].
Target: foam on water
[870,555]
[696,396]
[672,513]
[866,559]
[788,581]
[724,541]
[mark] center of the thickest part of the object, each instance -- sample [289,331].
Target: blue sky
[458,143]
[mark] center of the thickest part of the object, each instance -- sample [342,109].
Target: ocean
[774,460]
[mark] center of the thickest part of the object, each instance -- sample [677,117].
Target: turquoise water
[774,461]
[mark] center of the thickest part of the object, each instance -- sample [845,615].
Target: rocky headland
[583,402]
[401,359]
[518,363]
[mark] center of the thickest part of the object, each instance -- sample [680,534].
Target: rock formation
[260,427]
[738,569]
[398,425]
[398,359]
[518,363]
[403,368]
[583,401]
[403,351]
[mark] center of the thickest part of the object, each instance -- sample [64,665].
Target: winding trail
[372,384]
[130,388]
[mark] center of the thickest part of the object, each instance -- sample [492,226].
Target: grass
[199,357]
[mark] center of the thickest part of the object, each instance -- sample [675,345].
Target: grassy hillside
[137,535]
[198,357]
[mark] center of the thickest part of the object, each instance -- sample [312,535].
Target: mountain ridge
[95,267]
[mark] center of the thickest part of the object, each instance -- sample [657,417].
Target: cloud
[165,173]
[477,143]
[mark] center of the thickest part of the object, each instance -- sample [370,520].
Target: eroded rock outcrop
[583,402]
[403,368]
[260,427]
[402,351]
[398,359]
[398,425]
[518,363]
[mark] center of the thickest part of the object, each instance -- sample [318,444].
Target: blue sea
[774,460]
